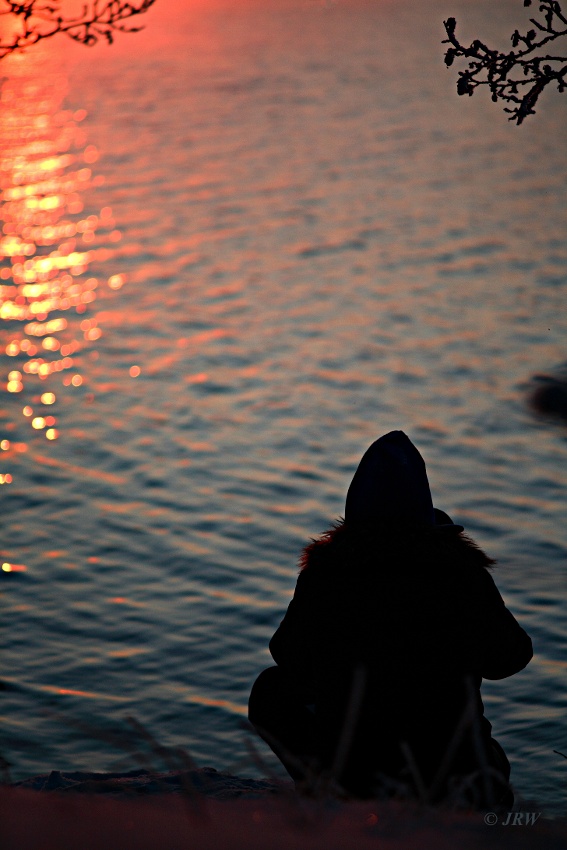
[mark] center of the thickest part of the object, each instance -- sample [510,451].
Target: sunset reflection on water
[322,243]
[48,242]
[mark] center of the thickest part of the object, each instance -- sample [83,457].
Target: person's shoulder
[475,583]
[323,552]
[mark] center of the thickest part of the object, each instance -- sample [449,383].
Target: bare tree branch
[521,75]
[30,21]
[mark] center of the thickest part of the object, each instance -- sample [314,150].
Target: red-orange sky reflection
[48,241]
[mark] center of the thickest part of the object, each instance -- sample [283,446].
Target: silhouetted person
[394,622]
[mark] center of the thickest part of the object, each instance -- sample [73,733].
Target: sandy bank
[207,809]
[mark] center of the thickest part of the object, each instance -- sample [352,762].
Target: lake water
[239,247]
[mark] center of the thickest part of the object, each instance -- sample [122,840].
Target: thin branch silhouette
[31,21]
[519,76]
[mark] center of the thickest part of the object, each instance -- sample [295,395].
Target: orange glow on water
[123,600]
[48,240]
[219,703]
[13,568]
[199,378]
[77,693]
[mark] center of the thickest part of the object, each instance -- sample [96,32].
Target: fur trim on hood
[372,546]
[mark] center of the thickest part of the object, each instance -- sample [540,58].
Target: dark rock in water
[548,395]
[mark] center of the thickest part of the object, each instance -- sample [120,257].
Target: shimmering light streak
[48,241]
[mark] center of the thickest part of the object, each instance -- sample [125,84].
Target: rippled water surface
[237,248]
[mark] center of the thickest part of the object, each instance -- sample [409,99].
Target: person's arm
[290,645]
[507,647]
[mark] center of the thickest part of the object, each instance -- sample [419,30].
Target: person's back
[419,621]
[390,631]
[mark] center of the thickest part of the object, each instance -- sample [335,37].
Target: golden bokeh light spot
[75,206]
[49,203]
[90,154]
[116,281]
[45,234]
[4,445]
[51,344]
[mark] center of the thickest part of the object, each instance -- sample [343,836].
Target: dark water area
[239,247]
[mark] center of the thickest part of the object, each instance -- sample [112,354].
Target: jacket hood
[390,485]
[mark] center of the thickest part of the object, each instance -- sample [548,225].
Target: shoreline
[205,782]
[206,809]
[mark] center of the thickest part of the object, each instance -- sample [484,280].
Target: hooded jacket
[392,627]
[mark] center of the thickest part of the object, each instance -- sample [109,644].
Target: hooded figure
[394,622]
